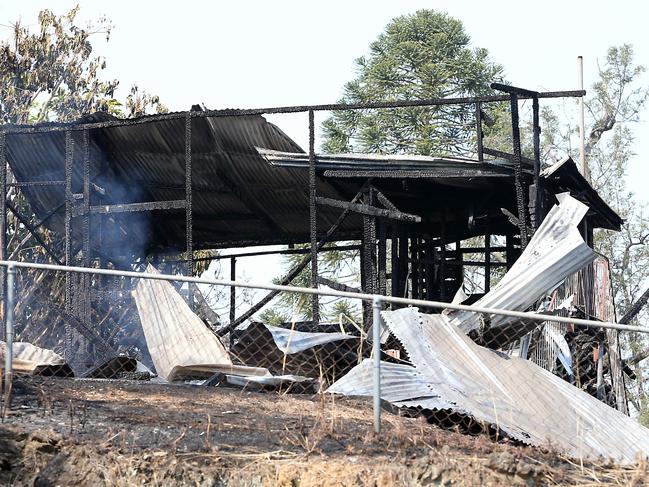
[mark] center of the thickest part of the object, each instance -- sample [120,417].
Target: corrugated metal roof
[237,196]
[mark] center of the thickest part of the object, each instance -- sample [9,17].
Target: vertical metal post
[315,303]
[11,273]
[189,218]
[478,128]
[582,123]
[3,220]
[518,171]
[376,355]
[233,277]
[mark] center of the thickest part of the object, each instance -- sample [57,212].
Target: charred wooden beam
[635,308]
[23,184]
[474,170]
[33,232]
[515,90]
[369,210]
[506,155]
[338,286]
[133,207]
[384,200]
[59,127]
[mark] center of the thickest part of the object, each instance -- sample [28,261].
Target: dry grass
[106,433]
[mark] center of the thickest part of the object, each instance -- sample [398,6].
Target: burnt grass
[106,432]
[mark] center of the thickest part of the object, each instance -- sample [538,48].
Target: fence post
[376,353]
[9,330]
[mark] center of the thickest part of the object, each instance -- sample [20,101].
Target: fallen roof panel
[516,395]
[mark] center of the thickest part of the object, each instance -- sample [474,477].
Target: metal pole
[11,273]
[376,354]
[582,124]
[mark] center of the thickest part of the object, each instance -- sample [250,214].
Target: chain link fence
[559,379]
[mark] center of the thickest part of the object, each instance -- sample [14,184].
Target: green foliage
[347,309]
[274,317]
[419,56]
[52,75]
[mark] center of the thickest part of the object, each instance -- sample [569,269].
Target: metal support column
[233,289]
[9,335]
[376,356]
[313,230]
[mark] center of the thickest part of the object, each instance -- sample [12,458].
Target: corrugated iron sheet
[515,395]
[293,341]
[556,251]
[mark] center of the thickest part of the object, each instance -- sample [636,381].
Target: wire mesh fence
[560,379]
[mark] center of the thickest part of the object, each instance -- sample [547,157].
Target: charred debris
[155,190]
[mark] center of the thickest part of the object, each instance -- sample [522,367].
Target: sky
[243,54]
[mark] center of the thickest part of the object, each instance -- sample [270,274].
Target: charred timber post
[478,129]
[518,172]
[3,221]
[313,220]
[85,295]
[69,153]
[539,211]
[189,229]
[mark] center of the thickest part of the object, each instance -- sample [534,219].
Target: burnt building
[114,192]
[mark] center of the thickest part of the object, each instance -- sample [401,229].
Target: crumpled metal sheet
[400,383]
[266,380]
[175,336]
[556,251]
[30,359]
[293,341]
[520,398]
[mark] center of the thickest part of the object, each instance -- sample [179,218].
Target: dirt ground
[83,432]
